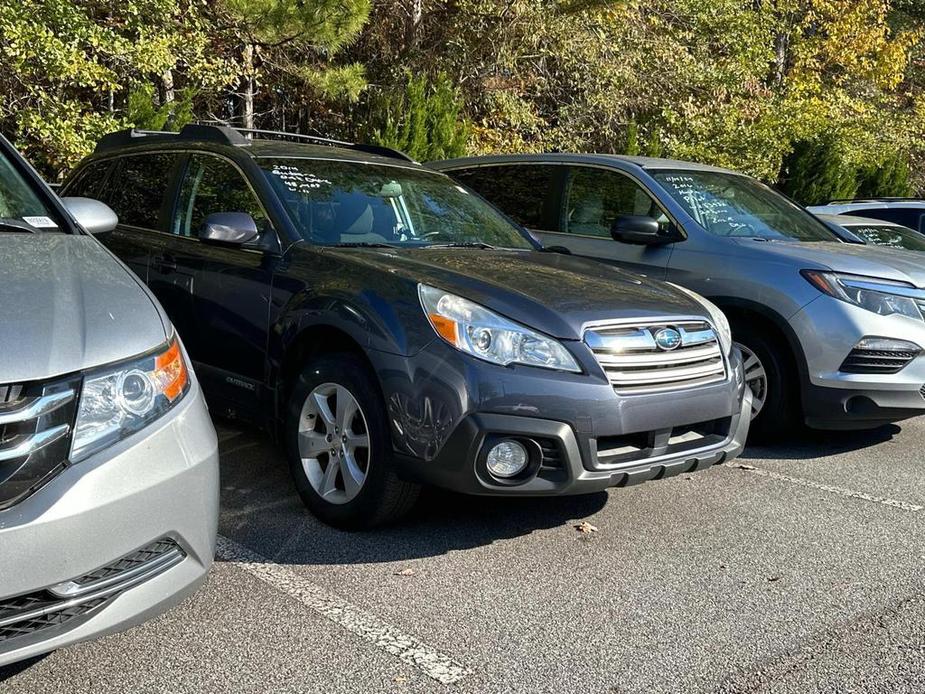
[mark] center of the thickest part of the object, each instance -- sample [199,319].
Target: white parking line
[841,491]
[406,648]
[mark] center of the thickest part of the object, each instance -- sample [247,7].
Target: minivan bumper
[828,329]
[582,435]
[145,511]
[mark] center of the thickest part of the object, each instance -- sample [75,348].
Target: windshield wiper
[16,225]
[463,244]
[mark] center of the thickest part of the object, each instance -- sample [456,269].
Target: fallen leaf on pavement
[742,466]
[586,527]
[405,572]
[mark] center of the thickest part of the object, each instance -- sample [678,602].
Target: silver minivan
[832,333]
[108,458]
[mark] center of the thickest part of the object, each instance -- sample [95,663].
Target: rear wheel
[340,453]
[771,376]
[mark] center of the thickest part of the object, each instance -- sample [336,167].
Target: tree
[293,40]
[423,120]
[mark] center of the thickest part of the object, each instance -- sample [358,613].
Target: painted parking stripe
[841,491]
[406,648]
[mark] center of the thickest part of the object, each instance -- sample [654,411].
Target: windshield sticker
[40,222]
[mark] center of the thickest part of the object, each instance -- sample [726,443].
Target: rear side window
[521,191]
[138,188]
[89,181]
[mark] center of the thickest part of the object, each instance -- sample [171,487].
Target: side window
[89,182]
[594,197]
[211,185]
[521,191]
[138,187]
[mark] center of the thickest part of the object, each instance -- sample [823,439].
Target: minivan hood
[854,259]
[67,305]
[554,293]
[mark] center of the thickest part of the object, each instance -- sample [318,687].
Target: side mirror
[94,216]
[234,228]
[637,229]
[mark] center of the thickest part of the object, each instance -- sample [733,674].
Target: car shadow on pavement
[810,444]
[261,510]
[9,671]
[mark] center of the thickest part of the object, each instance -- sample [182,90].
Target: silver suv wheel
[756,378]
[334,443]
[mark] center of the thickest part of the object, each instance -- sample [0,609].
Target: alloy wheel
[334,443]
[756,378]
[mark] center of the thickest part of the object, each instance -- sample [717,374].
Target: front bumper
[446,408]
[828,329]
[160,484]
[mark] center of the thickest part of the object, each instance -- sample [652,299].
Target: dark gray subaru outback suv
[395,329]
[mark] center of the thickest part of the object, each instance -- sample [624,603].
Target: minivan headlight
[883,297]
[119,400]
[474,329]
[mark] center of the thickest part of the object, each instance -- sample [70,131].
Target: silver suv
[832,333]
[108,459]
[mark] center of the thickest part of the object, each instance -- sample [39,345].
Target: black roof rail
[238,137]
[258,134]
[193,131]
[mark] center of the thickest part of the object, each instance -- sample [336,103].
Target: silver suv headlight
[474,329]
[883,297]
[121,399]
[717,317]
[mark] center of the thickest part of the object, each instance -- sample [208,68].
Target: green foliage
[816,172]
[142,111]
[423,120]
[889,178]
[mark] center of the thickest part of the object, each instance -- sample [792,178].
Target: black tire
[780,415]
[383,497]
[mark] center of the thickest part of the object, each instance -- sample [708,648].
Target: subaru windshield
[21,207]
[728,204]
[355,204]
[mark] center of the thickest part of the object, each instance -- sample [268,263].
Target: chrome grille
[634,363]
[35,434]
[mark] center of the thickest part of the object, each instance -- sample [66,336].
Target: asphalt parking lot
[798,568]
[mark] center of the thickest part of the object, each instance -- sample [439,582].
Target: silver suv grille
[635,363]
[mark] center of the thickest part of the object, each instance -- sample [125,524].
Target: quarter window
[213,185]
[521,191]
[595,197]
[139,186]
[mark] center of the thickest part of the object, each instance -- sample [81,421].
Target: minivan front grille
[35,435]
[658,356]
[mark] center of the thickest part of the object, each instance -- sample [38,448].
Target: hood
[554,293]
[66,305]
[854,259]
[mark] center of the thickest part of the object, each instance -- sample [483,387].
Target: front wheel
[772,378]
[340,452]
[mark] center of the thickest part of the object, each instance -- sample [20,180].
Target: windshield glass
[21,208]
[347,203]
[738,206]
[890,236]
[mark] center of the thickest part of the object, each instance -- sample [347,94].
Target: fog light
[507,459]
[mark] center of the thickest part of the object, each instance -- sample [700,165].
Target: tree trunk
[168,93]
[249,85]
[414,20]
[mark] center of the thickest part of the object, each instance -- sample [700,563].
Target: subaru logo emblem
[667,339]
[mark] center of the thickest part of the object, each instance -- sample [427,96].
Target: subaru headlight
[883,297]
[474,329]
[119,400]
[717,318]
